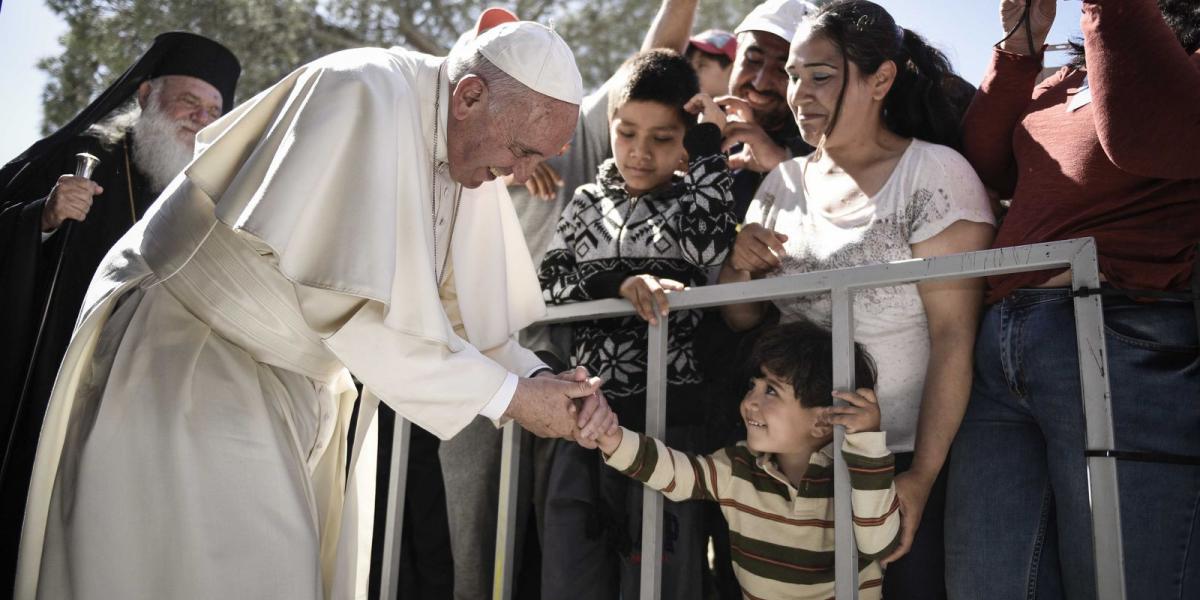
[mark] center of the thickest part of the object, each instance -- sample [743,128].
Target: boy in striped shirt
[776,488]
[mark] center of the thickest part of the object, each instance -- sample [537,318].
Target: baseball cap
[778,17]
[715,41]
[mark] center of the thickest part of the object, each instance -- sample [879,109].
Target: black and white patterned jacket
[604,235]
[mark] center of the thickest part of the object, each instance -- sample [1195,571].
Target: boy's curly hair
[662,76]
[801,353]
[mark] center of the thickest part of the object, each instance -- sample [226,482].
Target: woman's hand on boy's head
[707,109]
[645,291]
[861,415]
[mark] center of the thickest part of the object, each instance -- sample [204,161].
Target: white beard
[157,150]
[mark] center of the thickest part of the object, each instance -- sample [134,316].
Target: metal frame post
[506,522]
[656,426]
[1107,548]
[389,577]
[1078,254]
[845,545]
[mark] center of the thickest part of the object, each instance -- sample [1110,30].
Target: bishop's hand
[71,198]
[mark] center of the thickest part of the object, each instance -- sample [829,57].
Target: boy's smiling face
[647,144]
[775,421]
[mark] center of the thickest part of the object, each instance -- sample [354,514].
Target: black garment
[26,268]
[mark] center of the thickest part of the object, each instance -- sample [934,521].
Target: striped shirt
[780,536]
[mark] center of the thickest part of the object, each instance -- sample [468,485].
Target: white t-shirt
[931,187]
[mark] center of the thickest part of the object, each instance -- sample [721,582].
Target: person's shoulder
[936,160]
[373,67]
[785,178]
[389,76]
[361,59]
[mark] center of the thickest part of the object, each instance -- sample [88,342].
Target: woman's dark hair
[662,76]
[1182,16]
[917,105]
[801,353]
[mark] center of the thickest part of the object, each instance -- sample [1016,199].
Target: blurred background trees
[273,37]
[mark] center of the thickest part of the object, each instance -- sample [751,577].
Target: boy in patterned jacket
[657,219]
[775,489]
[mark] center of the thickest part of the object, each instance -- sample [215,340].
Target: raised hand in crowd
[544,182]
[71,198]
[1026,39]
[648,294]
[706,110]
[759,152]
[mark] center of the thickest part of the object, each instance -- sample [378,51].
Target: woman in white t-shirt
[882,186]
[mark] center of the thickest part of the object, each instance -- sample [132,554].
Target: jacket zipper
[621,232]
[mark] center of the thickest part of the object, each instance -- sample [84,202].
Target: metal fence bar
[506,523]
[656,426]
[958,266]
[1079,254]
[845,547]
[389,577]
[1097,411]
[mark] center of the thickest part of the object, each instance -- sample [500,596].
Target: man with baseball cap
[347,220]
[765,133]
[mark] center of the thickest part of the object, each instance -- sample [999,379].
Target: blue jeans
[1017,516]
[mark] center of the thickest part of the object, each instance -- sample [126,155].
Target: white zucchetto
[534,55]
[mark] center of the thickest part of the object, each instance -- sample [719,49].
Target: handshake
[568,405]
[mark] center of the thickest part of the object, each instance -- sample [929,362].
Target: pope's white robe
[195,442]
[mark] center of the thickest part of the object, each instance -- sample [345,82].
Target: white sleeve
[423,380]
[946,190]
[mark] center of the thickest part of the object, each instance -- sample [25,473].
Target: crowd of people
[199,434]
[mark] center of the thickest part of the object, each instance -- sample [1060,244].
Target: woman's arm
[1145,89]
[756,252]
[993,116]
[952,309]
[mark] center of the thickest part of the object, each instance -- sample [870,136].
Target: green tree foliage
[272,37]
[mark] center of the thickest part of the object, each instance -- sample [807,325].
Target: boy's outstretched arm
[679,476]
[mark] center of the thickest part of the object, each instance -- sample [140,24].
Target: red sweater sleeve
[1145,88]
[994,114]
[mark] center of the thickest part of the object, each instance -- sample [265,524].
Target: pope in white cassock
[196,441]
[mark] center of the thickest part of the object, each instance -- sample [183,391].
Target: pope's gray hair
[504,90]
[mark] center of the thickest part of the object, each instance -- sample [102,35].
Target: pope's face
[487,140]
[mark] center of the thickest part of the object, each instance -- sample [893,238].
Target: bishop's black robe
[26,268]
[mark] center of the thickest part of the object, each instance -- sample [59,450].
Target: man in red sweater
[1109,147]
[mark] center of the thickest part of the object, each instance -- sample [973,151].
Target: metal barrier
[1079,255]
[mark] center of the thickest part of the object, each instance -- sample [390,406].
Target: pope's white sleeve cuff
[495,407]
[48,234]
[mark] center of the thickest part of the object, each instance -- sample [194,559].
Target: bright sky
[964,29]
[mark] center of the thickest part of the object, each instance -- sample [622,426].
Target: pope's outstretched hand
[555,406]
